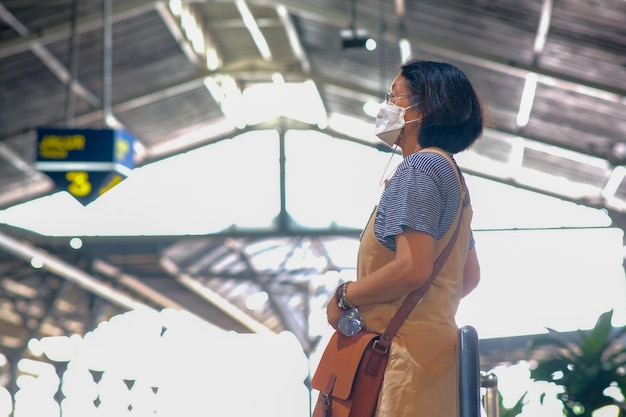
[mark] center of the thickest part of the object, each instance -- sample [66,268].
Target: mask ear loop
[384,178]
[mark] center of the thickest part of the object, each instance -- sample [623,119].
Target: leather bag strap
[416,295]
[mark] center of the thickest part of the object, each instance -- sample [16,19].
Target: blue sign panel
[85,162]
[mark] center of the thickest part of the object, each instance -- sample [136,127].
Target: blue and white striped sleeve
[424,194]
[412,199]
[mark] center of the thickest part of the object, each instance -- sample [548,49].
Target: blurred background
[183,185]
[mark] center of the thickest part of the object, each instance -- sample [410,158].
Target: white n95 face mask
[389,123]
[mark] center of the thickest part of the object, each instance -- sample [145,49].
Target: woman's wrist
[341,297]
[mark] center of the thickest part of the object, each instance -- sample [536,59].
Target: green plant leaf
[545,370]
[515,410]
[597,340]
[589,363]
[553,340]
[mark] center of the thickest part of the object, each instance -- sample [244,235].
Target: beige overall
[421,376]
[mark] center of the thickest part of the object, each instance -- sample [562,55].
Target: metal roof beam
[294,39]
[123,10]
[59,267]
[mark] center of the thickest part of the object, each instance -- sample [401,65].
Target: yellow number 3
[79,183]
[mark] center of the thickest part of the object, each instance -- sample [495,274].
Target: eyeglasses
[389,96]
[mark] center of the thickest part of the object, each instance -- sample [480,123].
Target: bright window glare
[533,279]
[535,274]
[544,263]
[230,183]
[499,206]
[204,191]
[298,101]
[331,182]
[156,363]
[353,127]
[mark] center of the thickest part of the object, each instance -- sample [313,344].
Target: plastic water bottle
[350,323]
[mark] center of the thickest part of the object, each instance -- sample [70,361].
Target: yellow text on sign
[122,148]
[58,146]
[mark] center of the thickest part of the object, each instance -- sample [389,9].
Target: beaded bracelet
[341,297]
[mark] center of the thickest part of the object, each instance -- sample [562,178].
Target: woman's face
[400,95]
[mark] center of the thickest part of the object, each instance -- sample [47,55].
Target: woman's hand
[333,312]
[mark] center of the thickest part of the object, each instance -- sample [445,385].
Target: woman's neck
[410,149]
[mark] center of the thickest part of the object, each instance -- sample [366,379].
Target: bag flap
[341,358]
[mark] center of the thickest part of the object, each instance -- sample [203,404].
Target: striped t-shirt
[424,194]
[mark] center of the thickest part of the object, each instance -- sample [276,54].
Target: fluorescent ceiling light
[255,31]
[544,26]
[405,49]
[371,108]
[614,181]
[528,97]
[176,7]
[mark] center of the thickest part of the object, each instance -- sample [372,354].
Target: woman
[431,113]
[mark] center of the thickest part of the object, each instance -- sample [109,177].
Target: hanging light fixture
[356,38]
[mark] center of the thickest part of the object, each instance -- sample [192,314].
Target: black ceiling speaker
[353,38]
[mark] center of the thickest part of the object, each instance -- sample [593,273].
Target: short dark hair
[452,115]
